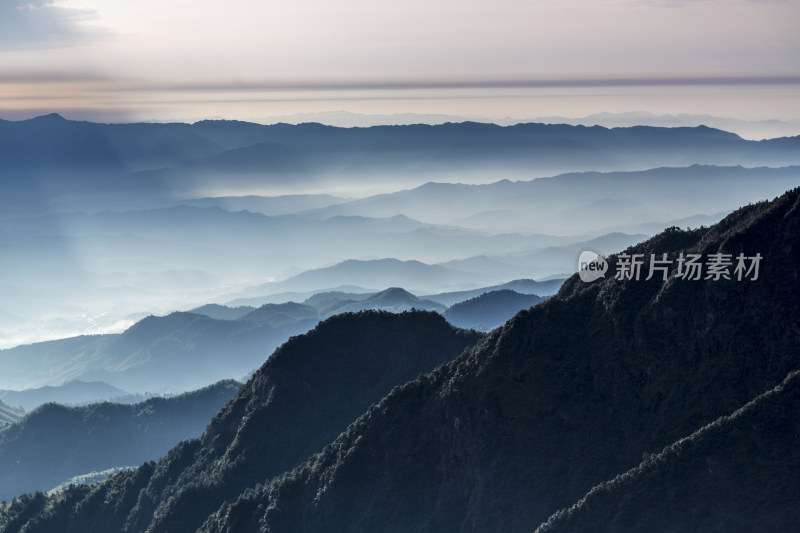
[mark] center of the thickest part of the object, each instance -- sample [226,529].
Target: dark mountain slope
[738,474]
[490,309]
[566,395]
[306,393]
[55,442]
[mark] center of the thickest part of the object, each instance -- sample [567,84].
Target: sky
[116,60]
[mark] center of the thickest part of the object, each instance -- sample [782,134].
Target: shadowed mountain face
[305,394]
[55,442]
[738,474]
[565,396]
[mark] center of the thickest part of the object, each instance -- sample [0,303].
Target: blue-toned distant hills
[145,158]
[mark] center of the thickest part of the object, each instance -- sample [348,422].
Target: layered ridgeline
[307,393]
[568,395]
[564,397]
[177,352]
[184,350]
[151,158]
[55,443]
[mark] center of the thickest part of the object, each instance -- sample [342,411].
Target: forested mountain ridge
[563,397]
[306,393]
[566,395]
[54,442]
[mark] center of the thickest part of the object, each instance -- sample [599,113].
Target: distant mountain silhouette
[9,414]
[72,392]
[322,300]
[179,351]
[394,300]
[580,202]
[55,442]
[222,312]
[165,158]
[374,273]
[490,309]
[521,286]
[564,397]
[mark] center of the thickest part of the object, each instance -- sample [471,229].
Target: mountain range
[63,264]
[148,159]
[209,343]
[71,393]
[54,442]
[177,352]
[309,391]
[623,404]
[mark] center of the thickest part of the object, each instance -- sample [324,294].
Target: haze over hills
[748,129]
[160,159]
[185,350]
[393,300]
[55,442]
[176,352]
[563,397]
[9,414]
[489,310]
[72,392]
[69,272]
[585,202]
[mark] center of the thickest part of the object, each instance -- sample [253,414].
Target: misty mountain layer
[564,397]
[56,442]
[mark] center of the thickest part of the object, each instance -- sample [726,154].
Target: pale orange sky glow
[125,61]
